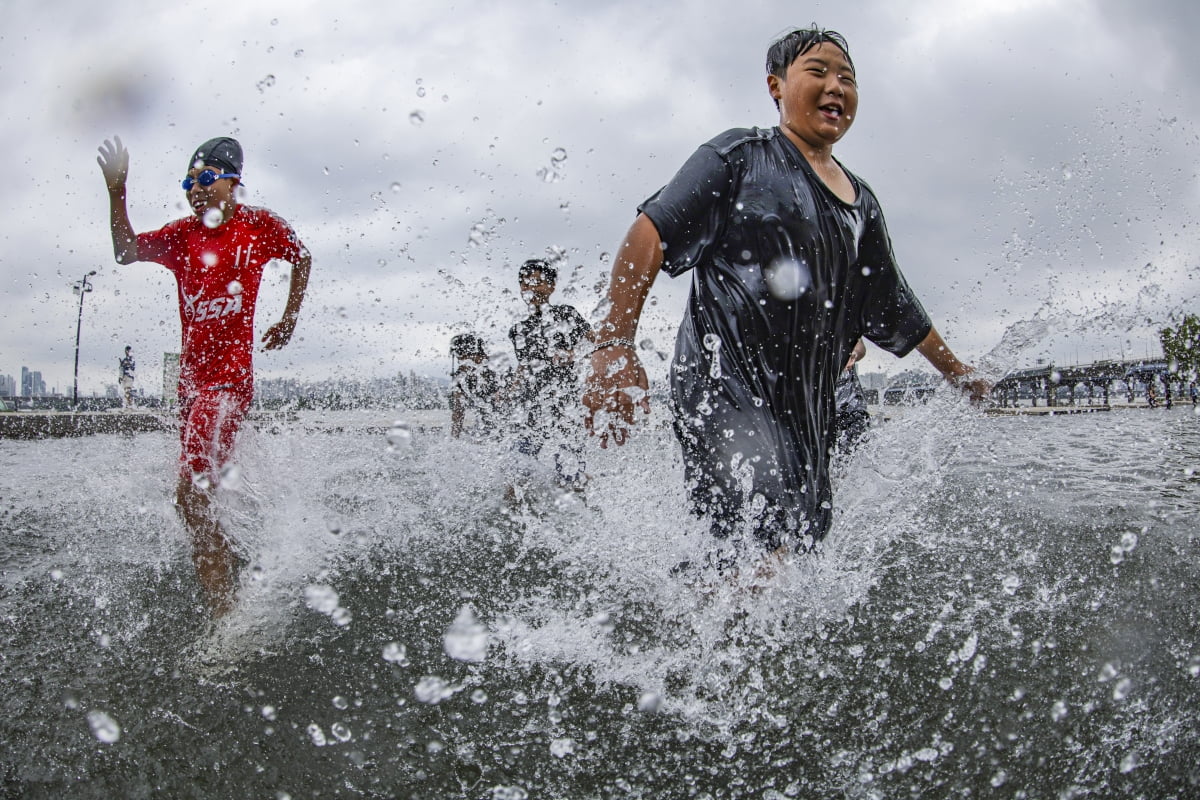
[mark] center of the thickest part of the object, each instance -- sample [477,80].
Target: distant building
[32,384]
[8,386]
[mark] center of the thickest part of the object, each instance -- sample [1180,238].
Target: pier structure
[1049,383]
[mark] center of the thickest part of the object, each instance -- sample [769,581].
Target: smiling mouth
[833,111]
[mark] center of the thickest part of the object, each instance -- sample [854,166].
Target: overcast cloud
[1036,162]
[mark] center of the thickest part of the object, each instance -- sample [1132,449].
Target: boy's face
[220,195]
[818,97]
[536,288]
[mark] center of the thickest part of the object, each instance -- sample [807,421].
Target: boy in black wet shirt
[790,265]
[547,344]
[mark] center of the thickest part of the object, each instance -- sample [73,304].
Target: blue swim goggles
[206,178]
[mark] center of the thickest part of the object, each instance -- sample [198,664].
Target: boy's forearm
[938,353]
[123,238]
[297,286]
[637,265]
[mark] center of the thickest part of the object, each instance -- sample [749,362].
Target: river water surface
[1005,607]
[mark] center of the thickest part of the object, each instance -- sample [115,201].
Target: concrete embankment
[59,424]
[33,425]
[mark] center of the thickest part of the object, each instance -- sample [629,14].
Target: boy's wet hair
[467,345]
[786,49]
[538,265]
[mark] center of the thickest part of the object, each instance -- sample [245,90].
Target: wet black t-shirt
[786,277]
[545,344]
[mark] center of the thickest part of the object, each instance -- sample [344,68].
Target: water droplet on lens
[420,91]
[213,218]
[649,702]
[340,702]
[340,732]
[1010,584]
[1058,711]
[787,279]
[234,287]
[466,639]
[316,735]
[399,437]
[321,598]
[1122,688]
[231,476]
[104,727]
[395,653]
[560,748]
[432,690]
[395,186]
[417,117]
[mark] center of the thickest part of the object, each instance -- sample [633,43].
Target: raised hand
[114,163]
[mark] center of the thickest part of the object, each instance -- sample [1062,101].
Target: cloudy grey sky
[1035,159]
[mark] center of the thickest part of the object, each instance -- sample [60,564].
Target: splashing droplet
[466,639]
[104,727]
[399,437]
[787,279]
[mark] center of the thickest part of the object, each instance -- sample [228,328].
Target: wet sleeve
[892,316]
[282,241]
[161,246]
[690,211]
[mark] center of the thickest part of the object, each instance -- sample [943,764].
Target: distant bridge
[1049,382]
[1056,385]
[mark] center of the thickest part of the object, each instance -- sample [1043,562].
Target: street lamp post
[80,287]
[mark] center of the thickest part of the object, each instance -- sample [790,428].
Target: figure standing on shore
[790,265]
[126,368]
[217,257]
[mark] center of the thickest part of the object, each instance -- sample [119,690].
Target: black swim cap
[223,152]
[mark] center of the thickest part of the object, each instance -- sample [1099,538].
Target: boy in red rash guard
[217,257]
